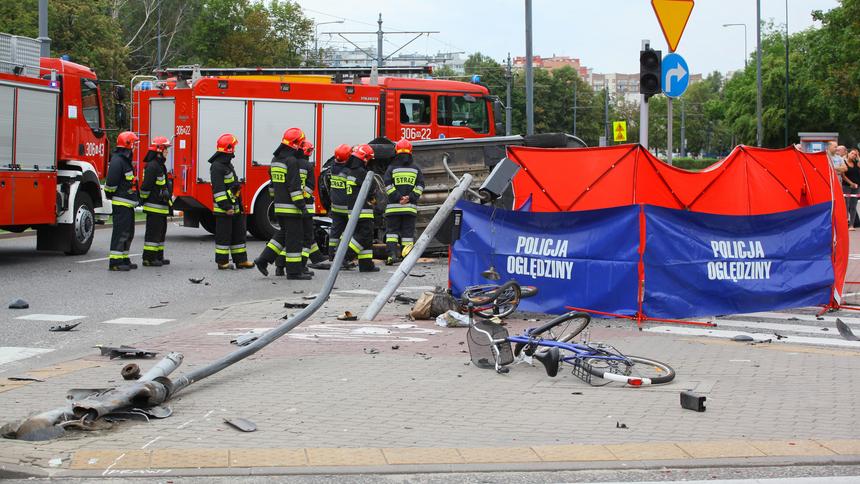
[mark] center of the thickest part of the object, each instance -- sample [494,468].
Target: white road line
[797,328]
[56,318]
[359,292]
[727,334]
[416,288]
[801,317]
[9,354]
[149,443]
[101,259]
[138,321]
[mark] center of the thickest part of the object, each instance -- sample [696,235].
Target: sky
[605,35]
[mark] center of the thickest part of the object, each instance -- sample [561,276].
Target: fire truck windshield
[464,111]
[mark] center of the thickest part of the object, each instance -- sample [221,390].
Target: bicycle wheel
[634,371]
[503,305]
[562,328]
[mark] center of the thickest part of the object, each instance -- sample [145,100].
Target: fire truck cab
[53,147]
[257,111]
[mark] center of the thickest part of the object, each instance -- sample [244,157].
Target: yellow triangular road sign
[619,128]
[673,16]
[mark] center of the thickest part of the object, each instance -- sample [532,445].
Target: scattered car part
[19,304]
[130,372]
[845,331]
[196,280]
[64,327]
[242,424]
[295,305]
[246,338]
[125,352]
[693,401]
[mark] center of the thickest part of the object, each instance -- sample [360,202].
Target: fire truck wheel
[262,224]
[83,228]
[207,221]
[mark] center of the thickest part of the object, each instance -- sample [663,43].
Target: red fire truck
[257,109]
[53,147]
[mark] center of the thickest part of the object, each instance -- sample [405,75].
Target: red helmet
[403,146]
[363,153]
[293,138]
[227,143]
[307,147]
[342,152]
[159,144]
[127,139]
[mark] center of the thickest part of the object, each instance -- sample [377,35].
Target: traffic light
[649,72]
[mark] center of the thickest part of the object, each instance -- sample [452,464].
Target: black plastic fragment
[693,401]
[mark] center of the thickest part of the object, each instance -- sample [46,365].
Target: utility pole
[44,40]
[643,108]
[530,95]
[380,34]
[669,129]
[759,134]
[683,131]
[509,77]
[606,112]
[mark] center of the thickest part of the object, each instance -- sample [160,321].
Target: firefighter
[121,188]
[339,198]
[404,184]
[289,199]
[156,196]
[229,219]
[362,243]
[310,249]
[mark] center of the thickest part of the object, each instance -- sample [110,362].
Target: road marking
[9,354]
[101,259]
[797,328]
[362,332]
[727,334]
[359,292]
[416,288]
[56,318]
[138,321]
[801,317]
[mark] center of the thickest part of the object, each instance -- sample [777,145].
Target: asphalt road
[56,284]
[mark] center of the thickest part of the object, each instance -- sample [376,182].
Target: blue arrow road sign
[676,75]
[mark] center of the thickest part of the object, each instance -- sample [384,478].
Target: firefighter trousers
[310,248]
[285,247]
[230,238]
[338,224]
[400,234]
[121,236]
[362,244]
[153,240]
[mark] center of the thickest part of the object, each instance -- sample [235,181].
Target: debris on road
[295,305]
[405,299]
[19,304]
[417,275]
[157,306]
[371,351]
[196,280]
[693,401]
[395,347]
[246,339]
[452,319]
[619,425]
[845,331]
[130,372]
[24,378]
[347,316]
[124,351]
[242,424]
[433,303]
[743,338]
[64,327]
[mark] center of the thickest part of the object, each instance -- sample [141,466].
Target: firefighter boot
[153,263]
[225,266]
[245,265]
[122,268]
[132,266]
[280,272]
[367,265]
[165,262]
[262,266]
[299,277]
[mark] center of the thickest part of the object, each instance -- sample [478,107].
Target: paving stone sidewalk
[356,395]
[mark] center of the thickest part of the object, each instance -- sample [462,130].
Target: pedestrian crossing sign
[619,129]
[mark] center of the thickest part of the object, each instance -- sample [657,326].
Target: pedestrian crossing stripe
[138,321]
[758,337]
[797,328]
[8,354]
[801,317]
[54,318]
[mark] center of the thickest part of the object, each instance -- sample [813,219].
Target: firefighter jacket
[340,187]
[289,196]
[403,179]
[121,184]
[308,179]
[357,172]
[225,184]
[156,190]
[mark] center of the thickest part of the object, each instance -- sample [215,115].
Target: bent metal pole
[299,318]
[410,260]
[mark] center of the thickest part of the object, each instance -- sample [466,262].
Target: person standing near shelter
[362,243]
[310,248]
[156,195]
[404,184]
[121,189]
[337,189]
[851,185]
[836,161]
[229,219]
[289,202]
